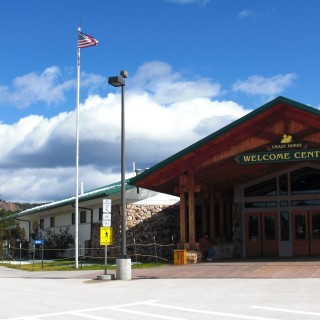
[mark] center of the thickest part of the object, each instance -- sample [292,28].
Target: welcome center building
[254,184]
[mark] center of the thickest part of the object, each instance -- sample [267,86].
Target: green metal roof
[222,131]
[93,194]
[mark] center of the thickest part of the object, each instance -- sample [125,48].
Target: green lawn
[69,265]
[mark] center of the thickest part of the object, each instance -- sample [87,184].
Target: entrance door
[306,233]
[261,234]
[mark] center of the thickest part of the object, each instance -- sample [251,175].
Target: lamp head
[116,81]
[124,73]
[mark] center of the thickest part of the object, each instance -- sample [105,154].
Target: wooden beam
[229,216]
[178,189]
[192,225]
[212,218]
[182,219]
[204,219]
[221,210]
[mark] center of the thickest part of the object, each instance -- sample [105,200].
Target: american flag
[85,40]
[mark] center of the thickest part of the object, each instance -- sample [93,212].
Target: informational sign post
[38,242]
[105,239]
[106,229]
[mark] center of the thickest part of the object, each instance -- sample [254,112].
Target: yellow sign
[105,236]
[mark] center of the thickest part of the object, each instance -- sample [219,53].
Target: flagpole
[84,41]
[77,161]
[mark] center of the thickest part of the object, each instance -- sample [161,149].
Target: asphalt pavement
[282,289]
[280,268]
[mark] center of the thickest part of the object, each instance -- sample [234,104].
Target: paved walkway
[280,269]
[240,268]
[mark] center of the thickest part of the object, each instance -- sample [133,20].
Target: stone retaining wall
[146,225]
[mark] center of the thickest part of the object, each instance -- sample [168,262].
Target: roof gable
[254,131]
[106,191]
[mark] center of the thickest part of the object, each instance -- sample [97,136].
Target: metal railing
[138,252]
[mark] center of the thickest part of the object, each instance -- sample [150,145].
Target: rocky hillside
[9,206]
[15,206]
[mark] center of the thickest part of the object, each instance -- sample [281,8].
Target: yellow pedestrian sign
[105,236]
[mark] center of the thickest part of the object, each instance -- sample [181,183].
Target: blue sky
[194,66]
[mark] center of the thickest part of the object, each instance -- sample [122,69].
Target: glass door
[314,227]
[300,233]
[261,234]
[269,234]
[253,235]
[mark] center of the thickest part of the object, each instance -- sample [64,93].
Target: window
[315,226]
[269,227]
[284,225]
[265,188]
[260,204]
[283,185]
[301,203]
[73,218]
[41,224]
[83,216]
[305,181]
[253,228]
[52,222]
[100,214]
[300,224]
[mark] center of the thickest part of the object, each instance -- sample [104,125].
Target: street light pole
[123,180]
[123,271]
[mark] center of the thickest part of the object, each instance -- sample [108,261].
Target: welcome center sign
[278,156]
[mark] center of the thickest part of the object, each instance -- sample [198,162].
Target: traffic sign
[105,236]
[106,207]
[106,219]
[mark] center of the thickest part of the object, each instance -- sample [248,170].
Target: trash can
[180,257]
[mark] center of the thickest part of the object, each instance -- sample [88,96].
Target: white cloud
[201,2]
[43,87]
[164,113]
[43,185]
[166,86]
[245,13]
[49,87]
[259,85]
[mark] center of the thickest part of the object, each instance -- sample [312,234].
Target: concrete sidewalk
[278,269]
[239,268]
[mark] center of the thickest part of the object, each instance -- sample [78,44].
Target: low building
[151,216]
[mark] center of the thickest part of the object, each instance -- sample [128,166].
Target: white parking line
[80,311]
[87,316]
[288,311]
[223,314]
[152,315]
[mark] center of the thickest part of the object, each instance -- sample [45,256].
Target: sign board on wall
[280,156]
[286,150]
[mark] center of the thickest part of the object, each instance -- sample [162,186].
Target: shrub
[56,243]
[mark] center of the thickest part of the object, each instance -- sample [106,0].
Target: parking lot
[153,294]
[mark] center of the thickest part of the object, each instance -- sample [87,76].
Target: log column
[221,211]
[182,218]
[212,216]
[192,221]
[204,225]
